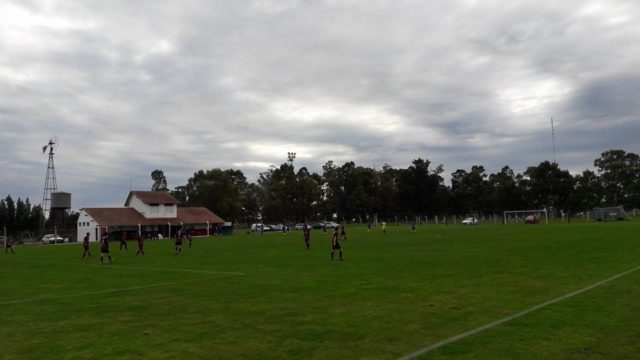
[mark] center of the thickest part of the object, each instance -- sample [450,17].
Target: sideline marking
[463,335]
[99,292]
[235,273]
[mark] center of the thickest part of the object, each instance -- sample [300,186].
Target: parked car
[256,227]
[470,221]
[52,239]
[2,239]
[330,224]
[277,227]
[531,219]
[301,226]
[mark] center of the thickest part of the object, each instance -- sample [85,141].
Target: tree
[4,215]
[159,181]
[620,175]
[11,214]
[470,190]
[387,203]
[250,198]
[588,191]
[549,186]
[308,194]
[505,191]
[420,189]
[23,210]
[218,190]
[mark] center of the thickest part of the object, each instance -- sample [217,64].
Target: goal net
[526,216]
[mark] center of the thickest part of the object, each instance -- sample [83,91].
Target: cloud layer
[129,87]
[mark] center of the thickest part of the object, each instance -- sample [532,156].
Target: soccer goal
[526,216]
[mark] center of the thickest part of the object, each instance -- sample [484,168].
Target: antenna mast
[553,140]
[50,183]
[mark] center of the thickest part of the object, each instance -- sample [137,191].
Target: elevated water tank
[60,200]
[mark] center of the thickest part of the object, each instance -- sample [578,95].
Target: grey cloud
[131,87]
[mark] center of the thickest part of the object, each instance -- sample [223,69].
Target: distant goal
[526,216]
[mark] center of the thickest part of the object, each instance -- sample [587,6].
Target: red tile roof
[116,216]
[198,215]
[152,197]
[127,216]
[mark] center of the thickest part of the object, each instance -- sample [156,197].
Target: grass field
[268,298]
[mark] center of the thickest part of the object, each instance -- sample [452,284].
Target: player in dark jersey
[306,234]
[140,240]
[123,241]
[189,238]
[85,246]
[104,250]
[8,245]
[413,226]
[335,244]
[343,233]
[178,242]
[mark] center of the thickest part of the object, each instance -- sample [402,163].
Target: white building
[146,213]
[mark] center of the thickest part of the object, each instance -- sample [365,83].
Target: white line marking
[108,291]
[463,335]
[172,269]
[133,267]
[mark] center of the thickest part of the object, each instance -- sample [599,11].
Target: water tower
[60,206]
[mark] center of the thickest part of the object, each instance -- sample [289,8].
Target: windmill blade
[44,148]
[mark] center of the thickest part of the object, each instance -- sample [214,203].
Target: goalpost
[519,216]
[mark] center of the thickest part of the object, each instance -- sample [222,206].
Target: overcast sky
[133,86]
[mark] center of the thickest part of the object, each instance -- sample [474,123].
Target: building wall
[156,211]
[86,224]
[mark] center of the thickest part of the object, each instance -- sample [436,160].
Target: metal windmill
[50,183]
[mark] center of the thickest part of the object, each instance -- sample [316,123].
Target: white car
[331,224]
[301,226]
[52,239]
[470,221]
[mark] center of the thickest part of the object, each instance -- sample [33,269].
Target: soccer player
[306,234]
[178,242]
[123,241]
[384,228]
[369,225]
[189,238]
[413,226]
[140,240]
[85,246]
[8,245]
[104,250]
[343,233]
[335,244]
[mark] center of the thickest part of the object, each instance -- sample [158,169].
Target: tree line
[350,191]
[19,215]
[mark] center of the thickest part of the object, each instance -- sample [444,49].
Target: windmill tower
[50,183]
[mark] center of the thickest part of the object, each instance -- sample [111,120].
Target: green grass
[392,295]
